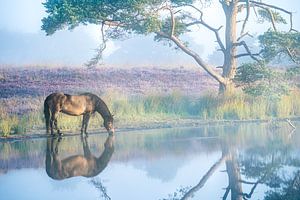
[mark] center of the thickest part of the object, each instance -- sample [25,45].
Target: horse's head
[109,124]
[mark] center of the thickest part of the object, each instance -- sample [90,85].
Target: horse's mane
[99,103]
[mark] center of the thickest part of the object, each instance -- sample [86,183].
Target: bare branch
[215,30]
[243,35]
[195,8]
[246,18]
[204,178]
[257,3]
[172,19]
[110,23]
[270,6]
[247,182]
[99,52]
[259,181]
[243,43]
[226,193]
[209,69]
[289,52]
[202,22]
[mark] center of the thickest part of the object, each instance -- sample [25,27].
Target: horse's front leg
[86,149]
[85,121]
[83,124]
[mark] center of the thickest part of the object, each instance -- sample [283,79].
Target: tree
[169,20]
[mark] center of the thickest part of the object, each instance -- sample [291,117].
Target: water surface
[245,161]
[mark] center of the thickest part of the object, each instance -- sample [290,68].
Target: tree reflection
[290,190]
[274,164]
[86,165]
[103,192]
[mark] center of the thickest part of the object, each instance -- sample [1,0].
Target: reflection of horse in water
[83,104]
[85,165]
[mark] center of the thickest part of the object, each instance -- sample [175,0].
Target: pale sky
[23,42]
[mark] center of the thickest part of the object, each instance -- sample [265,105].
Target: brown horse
[83,104]
[85,165]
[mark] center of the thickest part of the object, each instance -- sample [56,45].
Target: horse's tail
[47,115]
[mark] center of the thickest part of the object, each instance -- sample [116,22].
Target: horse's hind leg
[54,122]
[51,125]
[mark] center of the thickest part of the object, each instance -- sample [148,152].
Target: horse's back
[55,99]
[72,104]
[55,96]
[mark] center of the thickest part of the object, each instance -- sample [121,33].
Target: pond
[232,161]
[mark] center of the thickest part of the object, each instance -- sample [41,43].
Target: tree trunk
[233,172]
[227,88]
[230,62]
[234,177]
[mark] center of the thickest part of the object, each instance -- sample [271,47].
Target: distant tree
[169,20]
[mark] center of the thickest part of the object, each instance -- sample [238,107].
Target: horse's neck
[102,109]
[105,157]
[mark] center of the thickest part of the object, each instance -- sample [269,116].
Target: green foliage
[266,16]
[290,190]
[292,72]
[279,45]
[127,17]
[259,80]
[132,15]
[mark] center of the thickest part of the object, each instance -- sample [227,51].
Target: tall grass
[152,108]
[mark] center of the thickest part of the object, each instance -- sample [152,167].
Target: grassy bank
[153,108]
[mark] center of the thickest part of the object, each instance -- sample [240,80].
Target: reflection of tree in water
[273,164]
[99,185]
[290,189]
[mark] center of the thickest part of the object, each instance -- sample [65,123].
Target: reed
[155,107]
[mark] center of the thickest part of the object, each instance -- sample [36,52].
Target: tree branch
[209,69]
[246,18]
[195,8]
[202,22]
[272,19]
[289,52]
[204,178]
[226,193]
[215,30]
[243,35]
[243,43]
[172,19]
[248,196]
[257,3]
[99,52]
[267,8]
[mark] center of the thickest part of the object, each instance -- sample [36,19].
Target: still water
[245,161]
